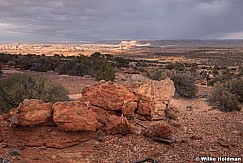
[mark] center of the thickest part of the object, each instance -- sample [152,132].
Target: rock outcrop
[75,116]
[32,112]
[97,103]
[110,96]
[154,97]
[105,106]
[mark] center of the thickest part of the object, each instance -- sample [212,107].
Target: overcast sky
[74,20]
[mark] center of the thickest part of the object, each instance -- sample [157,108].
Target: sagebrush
[229,95]
[185,84]
[15,89]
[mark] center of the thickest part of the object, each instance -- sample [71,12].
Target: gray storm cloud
[27,20]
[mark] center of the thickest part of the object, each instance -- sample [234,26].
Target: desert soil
[200,130]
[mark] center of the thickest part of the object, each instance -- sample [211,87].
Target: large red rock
[154,97]
[32,112]
[117,125]
[102,115]
[110,96]
[75,116]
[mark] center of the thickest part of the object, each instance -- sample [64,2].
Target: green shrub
[11,63]
[39,67]
[103,70]
[121,62]
[185,84]
[160,74]
[235,86]
[54,62]
[78,67]
[223,78]
[25,64]
[40,63]
[4,58]
[17,88]
[156,75]
[65,67]
[96,55]
[176,66]
[226,99]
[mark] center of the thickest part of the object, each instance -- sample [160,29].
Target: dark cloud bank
[28,20]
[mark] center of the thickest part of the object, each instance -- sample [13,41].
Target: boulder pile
[107,106]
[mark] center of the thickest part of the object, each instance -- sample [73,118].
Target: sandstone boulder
[154,97]
[75,116]
[110,96]
[102,115]
[32,112]
[117,125]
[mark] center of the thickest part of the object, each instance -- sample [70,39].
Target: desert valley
[122,101]
[132,81]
